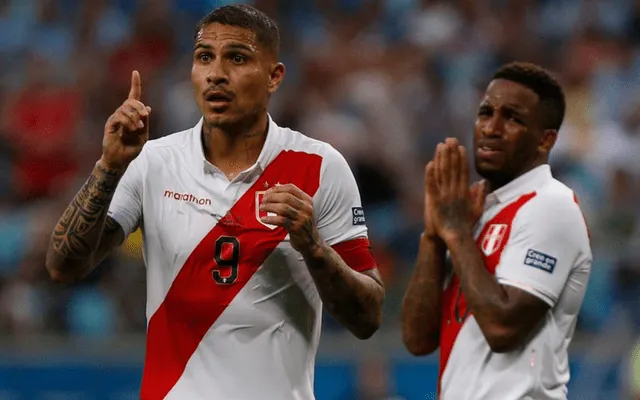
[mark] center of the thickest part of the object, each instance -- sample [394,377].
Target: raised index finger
[136,86]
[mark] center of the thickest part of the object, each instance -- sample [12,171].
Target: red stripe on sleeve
[356,254]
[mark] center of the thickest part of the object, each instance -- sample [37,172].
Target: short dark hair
[244,16]
[543,84]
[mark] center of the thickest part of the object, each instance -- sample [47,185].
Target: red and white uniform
[533,236]
[232,310]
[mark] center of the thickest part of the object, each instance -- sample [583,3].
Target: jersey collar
[526,183]
[269,150]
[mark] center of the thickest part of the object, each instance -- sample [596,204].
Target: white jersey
[232,310]
[532,235]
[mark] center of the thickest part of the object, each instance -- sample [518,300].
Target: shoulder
[333,163]
[553,199]
[554,209]
[293,140]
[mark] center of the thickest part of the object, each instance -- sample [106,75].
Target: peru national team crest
[493,238]
[260,213]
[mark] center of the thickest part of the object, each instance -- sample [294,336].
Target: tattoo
[305,238]
[422,303]
[77,235]
[353,298]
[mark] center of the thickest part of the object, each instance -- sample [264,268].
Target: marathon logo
[186,197]
[540,260]
[358,215]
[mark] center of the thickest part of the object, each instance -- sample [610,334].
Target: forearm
[352,298]
[77,234]
[422,303]
[486,298]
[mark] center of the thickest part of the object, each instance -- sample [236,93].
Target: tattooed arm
[84,235]
[422,304]
[353,298]
[330,233]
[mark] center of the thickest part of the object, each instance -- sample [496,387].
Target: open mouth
[488,151]
[217,97]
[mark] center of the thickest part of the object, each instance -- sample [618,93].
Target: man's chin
[488,170]
[220,120]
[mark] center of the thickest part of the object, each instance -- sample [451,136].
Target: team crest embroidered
[260,213]
[493,238]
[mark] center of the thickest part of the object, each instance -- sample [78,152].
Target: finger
[283,210]
[445,168]
[430,179]
[133,115]
[138,106]
[438,165]
[454,167]
[119,120]
[463,168]
[289,188]
[285,198]
[477,195]
[452,142]
[136,86]
[277,221]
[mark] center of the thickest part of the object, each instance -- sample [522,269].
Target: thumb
[136,86]
[478,194]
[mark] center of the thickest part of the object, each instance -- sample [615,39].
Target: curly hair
[244,16]
[539,80]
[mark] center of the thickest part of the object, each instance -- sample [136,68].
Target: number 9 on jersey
[227,257]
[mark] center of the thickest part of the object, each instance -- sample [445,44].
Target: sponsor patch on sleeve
[540,260]
[358,215]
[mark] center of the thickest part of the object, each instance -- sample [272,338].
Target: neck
[234,149]
[496,182]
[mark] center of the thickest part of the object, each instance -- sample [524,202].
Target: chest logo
[260,213]
[493,238]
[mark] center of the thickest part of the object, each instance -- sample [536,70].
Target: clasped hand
[451,207]
[293,211]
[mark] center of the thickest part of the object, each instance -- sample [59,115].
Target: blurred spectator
[382,80]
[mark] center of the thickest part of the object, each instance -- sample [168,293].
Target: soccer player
[503,307]
[248,228]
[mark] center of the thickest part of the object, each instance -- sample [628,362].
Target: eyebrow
[508,106]
[233,46]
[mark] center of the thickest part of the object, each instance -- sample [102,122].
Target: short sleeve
[340,216]
[548,239]
[126,205]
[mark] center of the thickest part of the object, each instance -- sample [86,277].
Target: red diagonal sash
[195,300]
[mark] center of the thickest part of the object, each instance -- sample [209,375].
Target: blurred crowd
[382,80]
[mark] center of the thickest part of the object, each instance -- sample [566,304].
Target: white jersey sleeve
[549,237]
[126,205]
[337,204]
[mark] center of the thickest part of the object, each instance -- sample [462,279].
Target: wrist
[457,236]
[431,240]
[109,167]
[314,253]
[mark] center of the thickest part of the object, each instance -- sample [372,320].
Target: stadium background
[383,81]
